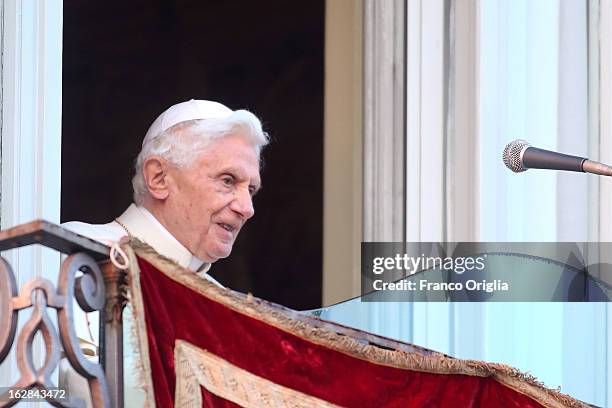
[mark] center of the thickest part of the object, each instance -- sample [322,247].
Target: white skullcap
[181,112]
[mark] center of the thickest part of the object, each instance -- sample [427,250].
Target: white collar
[144,226]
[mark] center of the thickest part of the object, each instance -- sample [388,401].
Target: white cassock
[143,225]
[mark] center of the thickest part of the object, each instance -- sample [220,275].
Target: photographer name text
[424,285]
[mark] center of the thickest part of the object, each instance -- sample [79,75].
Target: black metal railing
[88,279]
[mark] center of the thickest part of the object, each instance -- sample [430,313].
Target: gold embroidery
[197,367]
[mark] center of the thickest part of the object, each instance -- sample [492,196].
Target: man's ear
[155,172]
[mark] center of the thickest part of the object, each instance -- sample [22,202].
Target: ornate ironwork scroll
[39,294]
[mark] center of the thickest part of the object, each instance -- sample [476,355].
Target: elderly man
[195,179]
[194,182]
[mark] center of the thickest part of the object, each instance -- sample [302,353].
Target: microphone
[520,156]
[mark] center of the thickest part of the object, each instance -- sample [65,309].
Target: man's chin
[216,253]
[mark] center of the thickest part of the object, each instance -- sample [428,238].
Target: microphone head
[513,153]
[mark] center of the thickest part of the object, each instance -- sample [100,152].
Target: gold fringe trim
[309,328]
[138,332]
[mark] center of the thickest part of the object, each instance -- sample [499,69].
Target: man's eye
[228,181]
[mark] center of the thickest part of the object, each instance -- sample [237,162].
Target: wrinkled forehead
[234,152]
[230,142]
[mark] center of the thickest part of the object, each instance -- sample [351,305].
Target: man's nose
[243,204]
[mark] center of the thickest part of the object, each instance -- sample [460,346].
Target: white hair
[182,143]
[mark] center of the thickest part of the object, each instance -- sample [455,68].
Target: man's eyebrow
[240,174]
[234,171]
[230,170]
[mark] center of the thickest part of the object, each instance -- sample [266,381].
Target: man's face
[209,201]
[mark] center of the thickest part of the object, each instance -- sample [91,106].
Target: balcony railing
[87,279]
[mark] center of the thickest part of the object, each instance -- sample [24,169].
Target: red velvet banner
[210,351]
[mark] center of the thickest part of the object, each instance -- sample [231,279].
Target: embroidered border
[197,367]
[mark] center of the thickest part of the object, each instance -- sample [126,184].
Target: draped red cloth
[173,311]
